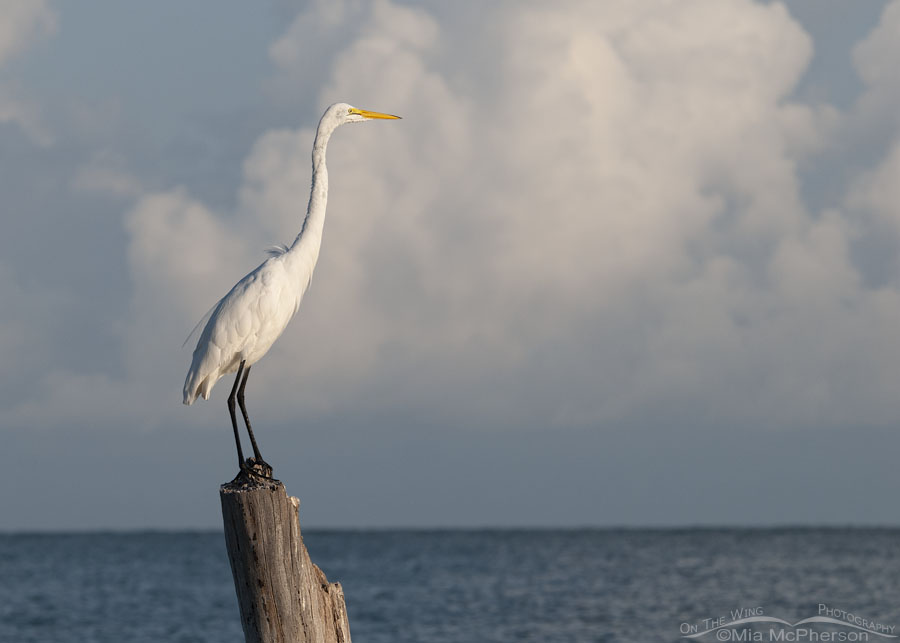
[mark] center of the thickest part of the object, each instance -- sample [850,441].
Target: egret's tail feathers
[191,387]
[193,390]
[190,395]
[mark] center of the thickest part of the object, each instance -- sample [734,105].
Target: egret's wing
[202,323]
[274,251]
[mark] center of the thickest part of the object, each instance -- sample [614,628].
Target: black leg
[240,398]
[237,437]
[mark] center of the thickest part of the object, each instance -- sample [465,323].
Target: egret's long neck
[310,236]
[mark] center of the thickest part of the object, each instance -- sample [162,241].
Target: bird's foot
[259,467]
[254,471]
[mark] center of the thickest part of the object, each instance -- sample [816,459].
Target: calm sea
[464,586]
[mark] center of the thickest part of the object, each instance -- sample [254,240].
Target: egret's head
[341,113]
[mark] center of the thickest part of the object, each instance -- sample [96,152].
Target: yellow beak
[366,113]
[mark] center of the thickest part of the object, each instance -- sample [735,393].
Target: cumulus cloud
[591,213]
[612,230]
[21,23]
[872,59]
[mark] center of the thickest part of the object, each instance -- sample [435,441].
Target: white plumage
[245,323]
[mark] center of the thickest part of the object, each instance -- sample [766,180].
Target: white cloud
[610,230]
[21,23]
[874,61]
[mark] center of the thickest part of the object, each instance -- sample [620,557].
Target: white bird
[244,324]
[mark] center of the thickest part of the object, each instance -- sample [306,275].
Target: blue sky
[620,264]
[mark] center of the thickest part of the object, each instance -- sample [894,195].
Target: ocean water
[462,586]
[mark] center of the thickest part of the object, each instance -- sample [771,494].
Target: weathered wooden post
[283,596]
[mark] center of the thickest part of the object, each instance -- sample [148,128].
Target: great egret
[245,323]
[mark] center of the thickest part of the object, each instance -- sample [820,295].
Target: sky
[621,263]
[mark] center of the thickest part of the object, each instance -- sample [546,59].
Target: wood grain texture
[283,596]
